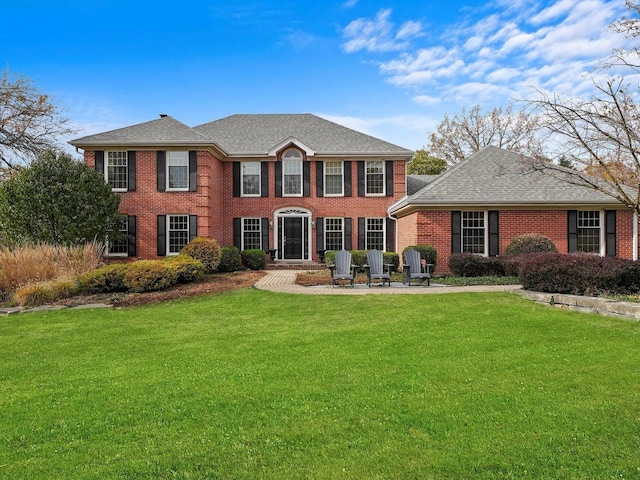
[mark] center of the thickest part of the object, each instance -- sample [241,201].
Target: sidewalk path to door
[284,281]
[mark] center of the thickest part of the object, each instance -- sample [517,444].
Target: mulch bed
[210,284]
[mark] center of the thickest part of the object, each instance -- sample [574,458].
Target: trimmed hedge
[530,243]
[207,250]
[150,276]
[230,260]
[427,252]
[579,274]
[187,269]
[107,279]
[254,259]
[359,257]
[471,265]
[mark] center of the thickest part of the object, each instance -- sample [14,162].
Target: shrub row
[359,257]
[576,274]
[579,274]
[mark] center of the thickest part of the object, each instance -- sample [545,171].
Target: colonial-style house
[294,185]
[298,185]
[482,203]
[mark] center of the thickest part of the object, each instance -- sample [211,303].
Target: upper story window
[251,179]
[589,231]
[374,177]
[292,173]
[333,178]
[177,170]
[474,232]
[116,171]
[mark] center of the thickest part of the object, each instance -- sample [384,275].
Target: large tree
[600,135]
[423,163]
[57,200]
[469,131]
[30,123]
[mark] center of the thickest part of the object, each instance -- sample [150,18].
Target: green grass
[471,281]
[252,384]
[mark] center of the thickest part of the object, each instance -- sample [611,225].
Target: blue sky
[390,69]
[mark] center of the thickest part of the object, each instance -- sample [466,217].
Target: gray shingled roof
[258,134]
[496,177]
[416,183]
[164,131]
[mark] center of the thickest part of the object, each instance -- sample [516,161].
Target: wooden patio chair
[342,269]
[376,268]
[415,268]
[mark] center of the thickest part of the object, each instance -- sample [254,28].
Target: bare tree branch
[29,122]
[465,133]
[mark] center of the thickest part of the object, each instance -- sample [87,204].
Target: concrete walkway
[283,281]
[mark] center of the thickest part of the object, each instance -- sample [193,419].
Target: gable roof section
[256,135]
[164,131]
[497,177]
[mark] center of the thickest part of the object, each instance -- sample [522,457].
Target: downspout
[635,236]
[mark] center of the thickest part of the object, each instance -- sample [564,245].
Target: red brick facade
[433,227]
[216,207]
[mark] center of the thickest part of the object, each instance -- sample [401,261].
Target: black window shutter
[348,233]
[361,189]
[237,233]
[264,179]
[236,179]
[572,230]
[306,179]
[99,158]
[131,171]
[265,234]
[391,235]
[162,235]
[278,179]
[456,232]
[131,233]
[347,179]
[362,234]
[388,173]
[319,234]
[193,227]
[494,233]
[319,179]
[610,232]
[193,171]
[161,170]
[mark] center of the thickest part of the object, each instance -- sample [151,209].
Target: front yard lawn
[251,384]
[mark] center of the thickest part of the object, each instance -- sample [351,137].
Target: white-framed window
[251,233]
[589,231]
[115,172]
[250,179]
[292,173]
[120,246]
[375,234]
[333,233]
[333,178]
[177,170]
[474,232]
[374,177]
[177,233]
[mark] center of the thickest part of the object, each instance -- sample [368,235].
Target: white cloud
[507,52]
[350,4]
[377,35]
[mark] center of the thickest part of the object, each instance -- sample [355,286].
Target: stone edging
[602,306]
[5,312]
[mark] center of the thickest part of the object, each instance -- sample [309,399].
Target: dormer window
[292,173]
